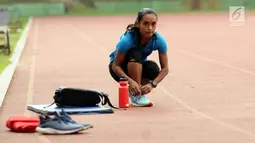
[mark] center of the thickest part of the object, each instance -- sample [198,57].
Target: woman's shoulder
[127,35]
[161,43]
[125,39]
[159,36]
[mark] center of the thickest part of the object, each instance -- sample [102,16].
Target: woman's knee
[112,73]
[150,70]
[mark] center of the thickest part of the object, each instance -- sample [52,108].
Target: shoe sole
[148,105]
[54,131]
[88,127]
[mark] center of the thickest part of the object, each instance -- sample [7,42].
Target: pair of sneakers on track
[62,123]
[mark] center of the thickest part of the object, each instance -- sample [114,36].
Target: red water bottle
[123,93]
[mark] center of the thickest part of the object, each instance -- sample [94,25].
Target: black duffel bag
[78,97]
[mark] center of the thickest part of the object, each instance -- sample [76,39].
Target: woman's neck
[144,41]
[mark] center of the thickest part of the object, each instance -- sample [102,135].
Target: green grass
[3,62]
[14,37]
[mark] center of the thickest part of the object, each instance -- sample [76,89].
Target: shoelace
[64,114]
[62,118]
[137,97]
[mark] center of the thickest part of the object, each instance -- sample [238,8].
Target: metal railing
[4,34]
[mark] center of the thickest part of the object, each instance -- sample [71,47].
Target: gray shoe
[57,125]
[85,125]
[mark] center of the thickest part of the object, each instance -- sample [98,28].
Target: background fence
[35,9]
[25,8]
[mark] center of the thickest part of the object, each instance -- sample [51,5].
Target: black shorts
[150,69]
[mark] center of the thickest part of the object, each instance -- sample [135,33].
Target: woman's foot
[140,100]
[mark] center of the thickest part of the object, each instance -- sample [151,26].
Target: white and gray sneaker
[57,125]
[139,100]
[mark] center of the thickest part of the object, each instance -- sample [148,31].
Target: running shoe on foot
[140,100]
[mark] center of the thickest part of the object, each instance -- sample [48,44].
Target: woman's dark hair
[140,14]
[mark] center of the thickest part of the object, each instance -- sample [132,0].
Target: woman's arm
[164,67]
[162,74]
[116,66]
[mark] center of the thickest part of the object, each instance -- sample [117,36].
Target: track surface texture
[208,96]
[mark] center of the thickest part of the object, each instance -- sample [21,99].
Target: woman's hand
[135,88]
[146,88]
[164,67]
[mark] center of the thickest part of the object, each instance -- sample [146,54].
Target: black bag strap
[106,100]
[49,105]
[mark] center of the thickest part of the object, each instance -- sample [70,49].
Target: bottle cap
[123,79]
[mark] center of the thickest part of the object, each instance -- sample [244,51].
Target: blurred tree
[20,1]
[213,4]
[196,4]
[185,4]
[3,1]
[88,3]
[191,4]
